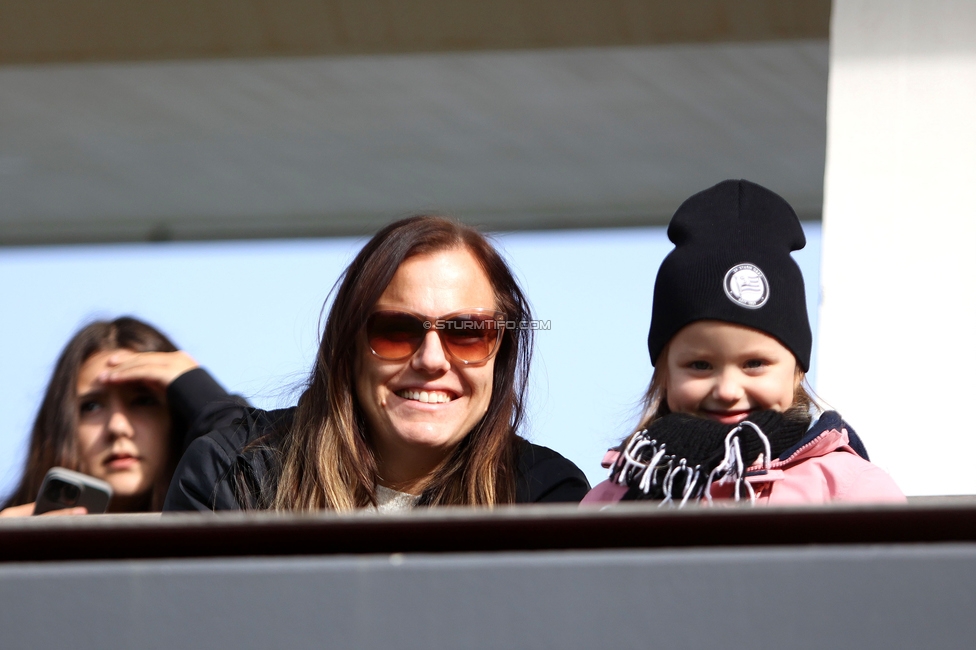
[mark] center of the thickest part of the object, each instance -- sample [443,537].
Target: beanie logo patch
[746,286]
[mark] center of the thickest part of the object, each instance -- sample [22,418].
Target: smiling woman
[418,408]
[118,407]
[416,396]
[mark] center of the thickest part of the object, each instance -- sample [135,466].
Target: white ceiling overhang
[325,145]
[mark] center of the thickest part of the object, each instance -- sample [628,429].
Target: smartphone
[63,488]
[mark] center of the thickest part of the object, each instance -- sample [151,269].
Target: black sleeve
[231,467]
[546,477]
[200,405]
[202,480]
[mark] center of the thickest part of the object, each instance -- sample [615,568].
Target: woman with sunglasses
[415,398]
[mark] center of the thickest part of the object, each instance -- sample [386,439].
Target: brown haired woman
[119,407]
[415,398]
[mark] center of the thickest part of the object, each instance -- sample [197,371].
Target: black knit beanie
[732,263]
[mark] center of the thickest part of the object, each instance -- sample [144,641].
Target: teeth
[427,397]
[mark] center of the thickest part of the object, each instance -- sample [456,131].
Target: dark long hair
[326,460]
[54,438]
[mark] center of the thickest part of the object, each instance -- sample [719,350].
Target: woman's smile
[426,396]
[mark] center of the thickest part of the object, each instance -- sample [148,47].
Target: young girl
[726,414]
[121,405]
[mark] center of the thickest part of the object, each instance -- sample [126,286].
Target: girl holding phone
[119,407]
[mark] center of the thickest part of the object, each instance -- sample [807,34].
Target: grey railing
[532,577]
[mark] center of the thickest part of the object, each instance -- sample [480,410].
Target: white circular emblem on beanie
[746,285]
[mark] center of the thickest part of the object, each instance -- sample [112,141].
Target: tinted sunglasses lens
[471,337]
[393,335]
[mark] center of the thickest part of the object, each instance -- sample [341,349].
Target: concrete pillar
[896,346]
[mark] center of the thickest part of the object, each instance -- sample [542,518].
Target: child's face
[725,372]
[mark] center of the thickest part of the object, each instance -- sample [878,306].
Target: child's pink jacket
[824,469]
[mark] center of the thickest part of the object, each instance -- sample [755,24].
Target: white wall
[896,349]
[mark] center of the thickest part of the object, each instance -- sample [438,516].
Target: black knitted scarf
[679,456]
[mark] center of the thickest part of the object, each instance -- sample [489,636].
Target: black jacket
[210,474]
[198,405]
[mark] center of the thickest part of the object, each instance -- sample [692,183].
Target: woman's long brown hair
[54,437]
[326,460]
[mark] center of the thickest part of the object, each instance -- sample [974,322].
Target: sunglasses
[468,336]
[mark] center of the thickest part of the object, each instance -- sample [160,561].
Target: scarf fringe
[663,469]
